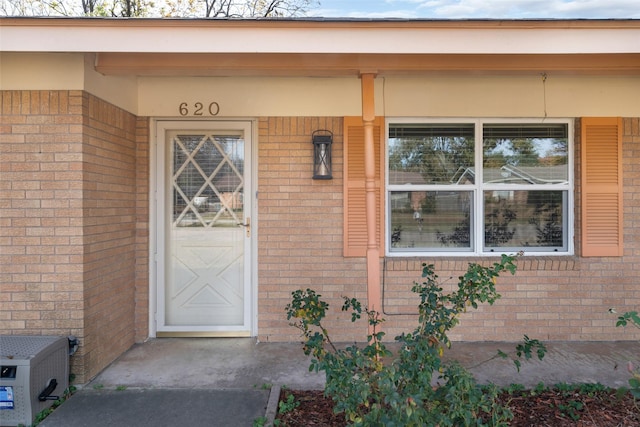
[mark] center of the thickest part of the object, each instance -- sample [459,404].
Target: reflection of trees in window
[497,230]
[520,187]
[436,152]
[461,236]
[396,235]
[557,154]
[547,217]
[514,152]
[496,224]
[525,145]
[428,204]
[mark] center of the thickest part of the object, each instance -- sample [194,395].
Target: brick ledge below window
[533,263]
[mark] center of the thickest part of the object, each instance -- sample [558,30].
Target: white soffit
[318,36]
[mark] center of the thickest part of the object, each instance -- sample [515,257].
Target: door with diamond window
[204,229]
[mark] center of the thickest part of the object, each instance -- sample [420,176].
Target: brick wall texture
[68,222]
[300,246]
[74,238]
[300,227]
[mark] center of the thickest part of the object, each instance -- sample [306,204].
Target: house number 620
[199,109]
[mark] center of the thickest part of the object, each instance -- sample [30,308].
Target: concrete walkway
[228,382]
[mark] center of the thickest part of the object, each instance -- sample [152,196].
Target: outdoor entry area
[203,211]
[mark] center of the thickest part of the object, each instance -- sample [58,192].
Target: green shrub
[374,387]
[634,382]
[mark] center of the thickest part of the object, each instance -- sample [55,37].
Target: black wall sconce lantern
[322,140]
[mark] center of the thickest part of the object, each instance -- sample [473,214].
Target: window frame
[479,187]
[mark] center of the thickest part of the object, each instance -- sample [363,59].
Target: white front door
[203,260]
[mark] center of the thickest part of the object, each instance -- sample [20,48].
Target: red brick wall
[567,298]
[142,230]
[300,245]
[41,249]
[74,230]
[300,227]
[109,208]
[68,224]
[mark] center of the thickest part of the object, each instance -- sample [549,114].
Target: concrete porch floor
[227,381]
[222,363]
[241,363]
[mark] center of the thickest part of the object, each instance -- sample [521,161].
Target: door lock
[247,226]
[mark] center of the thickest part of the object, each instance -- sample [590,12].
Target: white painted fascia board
[263,37]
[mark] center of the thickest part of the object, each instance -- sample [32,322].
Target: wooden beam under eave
[328,65]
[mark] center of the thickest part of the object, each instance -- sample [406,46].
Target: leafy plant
[47,411]
[525,348]
[571,409]
[573,405]
[631,317]
[260,421]
[538,389]
[591,389]
[288,405]
[372,386]
[514,388]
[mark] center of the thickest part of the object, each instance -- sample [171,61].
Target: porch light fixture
[322,140]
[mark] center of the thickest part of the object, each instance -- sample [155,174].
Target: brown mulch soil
[547,408]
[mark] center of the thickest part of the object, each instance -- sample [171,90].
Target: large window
[479,186]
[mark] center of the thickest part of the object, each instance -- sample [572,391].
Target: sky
[479,9]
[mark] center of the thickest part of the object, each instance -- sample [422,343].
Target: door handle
[247,226]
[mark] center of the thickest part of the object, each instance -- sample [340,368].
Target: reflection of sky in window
[543,147]
[233,146]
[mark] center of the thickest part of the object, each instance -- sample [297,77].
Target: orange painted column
[374,294]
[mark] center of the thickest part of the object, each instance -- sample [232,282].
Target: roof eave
[319,36]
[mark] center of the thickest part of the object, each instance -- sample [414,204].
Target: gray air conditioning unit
[34,372]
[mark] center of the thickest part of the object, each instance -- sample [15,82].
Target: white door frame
[157,157]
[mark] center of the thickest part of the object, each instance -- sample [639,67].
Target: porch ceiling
[337,65]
